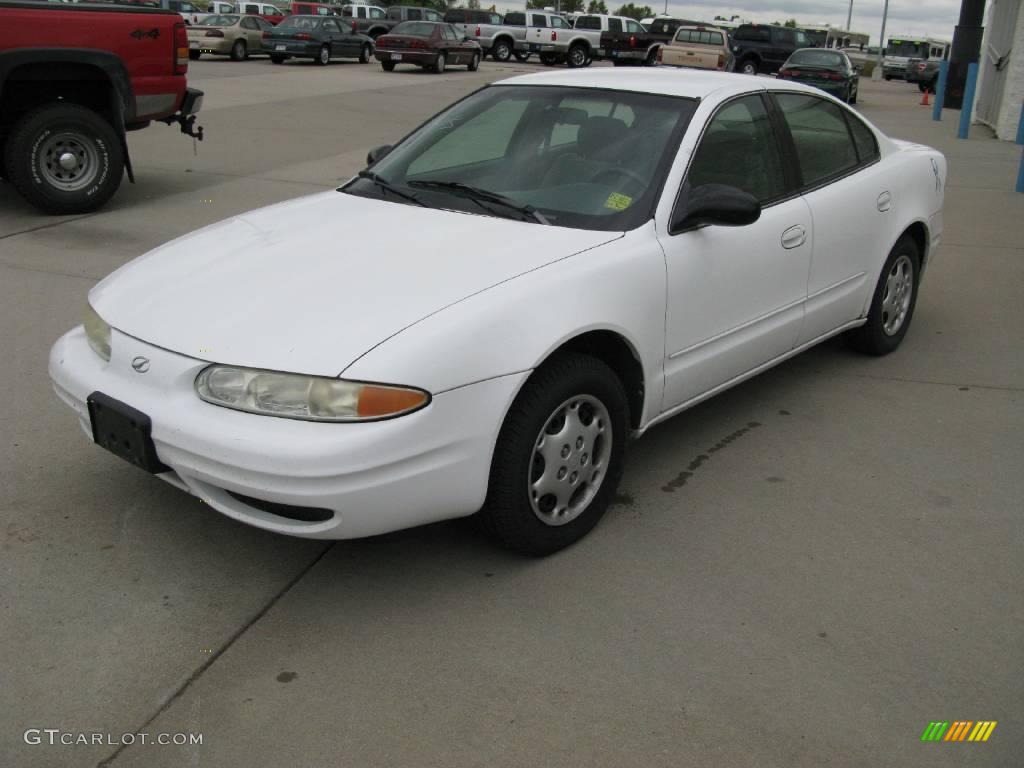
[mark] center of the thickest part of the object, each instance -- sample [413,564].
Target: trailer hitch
[187,124]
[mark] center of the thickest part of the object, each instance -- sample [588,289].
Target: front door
[735,294]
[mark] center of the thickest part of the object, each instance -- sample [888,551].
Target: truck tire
[748,66]
[64,158]
[502,50]
[548,59]
[522,56]
[578,56]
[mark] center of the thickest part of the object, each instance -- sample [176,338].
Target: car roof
[692,83]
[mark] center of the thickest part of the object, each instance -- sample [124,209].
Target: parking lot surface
[803,571]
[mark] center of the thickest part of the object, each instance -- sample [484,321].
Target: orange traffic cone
[924,98]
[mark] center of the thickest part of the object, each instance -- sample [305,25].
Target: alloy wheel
[899,290]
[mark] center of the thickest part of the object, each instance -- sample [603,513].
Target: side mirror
[377,153]
[715,204]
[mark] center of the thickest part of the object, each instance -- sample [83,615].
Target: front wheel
[64,158]
[439,63]
[559,456]
[474,63]
[578,56]
[364,54]
[749,67]
[892,305]
[323,58]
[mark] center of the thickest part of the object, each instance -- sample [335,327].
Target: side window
[346,12]
[863,139]
[247,24]
[457,16]
[395,14]
[252,9]
[824,147]
[785,36]
[739,149]
[538,20]
[634,27]
[559,23]
[450,33]
[614,25]
[515,19]
[413,14]
[433,16]
[376,13]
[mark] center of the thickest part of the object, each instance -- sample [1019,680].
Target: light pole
[849,16]
[877,73]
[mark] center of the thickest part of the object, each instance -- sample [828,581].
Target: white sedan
[481,320]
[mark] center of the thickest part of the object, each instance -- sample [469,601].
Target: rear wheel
[239,51]
[388,66]
[474,63]
[64,158]
[522,56]
[502,50]
[892,306]
[323,57]
[578,56]
[559,456]
[439,63]
[364,54]
[748,66]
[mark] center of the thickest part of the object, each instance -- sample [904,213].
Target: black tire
[388,66]
[194,55]
[933,85]
[277,59]
[652,58]
[501,50]
[521,56]
[323,56]
[439,64]
[474,63]
[364,54]
[101,154]
[578,56]
[508,514]
[888,78]
[854,94]
[548,59]
[922,87]
[239,51]
[748,67]
[872,338]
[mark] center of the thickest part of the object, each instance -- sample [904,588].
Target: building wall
[1000,93]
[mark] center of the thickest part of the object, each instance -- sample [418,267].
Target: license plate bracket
[124,431]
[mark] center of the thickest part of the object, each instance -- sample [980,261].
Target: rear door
[538,33]
[845,186]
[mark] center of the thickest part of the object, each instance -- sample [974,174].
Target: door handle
[794,237]
[884,202]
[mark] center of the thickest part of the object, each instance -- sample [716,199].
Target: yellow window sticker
[618,202]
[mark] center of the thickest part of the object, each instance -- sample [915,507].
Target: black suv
[764,47]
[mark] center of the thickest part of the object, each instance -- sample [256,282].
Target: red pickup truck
[74,78]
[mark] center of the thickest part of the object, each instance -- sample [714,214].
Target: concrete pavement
[842,568]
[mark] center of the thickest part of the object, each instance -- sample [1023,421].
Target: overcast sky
[906,17]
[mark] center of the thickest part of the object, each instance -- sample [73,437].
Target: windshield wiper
[482,196]
[383,183]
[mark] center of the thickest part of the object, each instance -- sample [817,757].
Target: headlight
[313,398]
[98,332]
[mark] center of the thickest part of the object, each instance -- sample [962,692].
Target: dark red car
[427,44]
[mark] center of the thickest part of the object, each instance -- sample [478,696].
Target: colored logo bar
[959,730]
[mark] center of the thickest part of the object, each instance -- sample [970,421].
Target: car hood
[310,285]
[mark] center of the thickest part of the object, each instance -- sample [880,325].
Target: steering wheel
[619,171]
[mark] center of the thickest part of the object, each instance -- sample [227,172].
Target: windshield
[217,21]
[414,29]
[581,157]
[816,58]
[291,23]
[906,48]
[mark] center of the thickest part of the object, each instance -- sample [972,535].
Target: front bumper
[374,477]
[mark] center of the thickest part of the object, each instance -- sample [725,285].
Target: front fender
[515,326]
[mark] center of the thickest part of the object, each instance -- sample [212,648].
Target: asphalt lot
[845,568]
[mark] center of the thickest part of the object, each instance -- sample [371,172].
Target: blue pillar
[968,105]
[1020,140]
[940,91]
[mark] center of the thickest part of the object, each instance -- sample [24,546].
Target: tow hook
[187,124]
